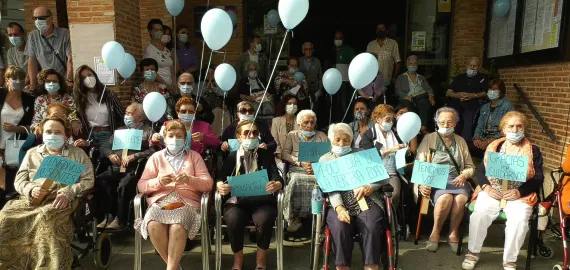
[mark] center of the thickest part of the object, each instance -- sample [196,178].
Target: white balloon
[217,28]
[225,76]
[408,126]
[332,80]
[292,12]
[154,106]
[362,70]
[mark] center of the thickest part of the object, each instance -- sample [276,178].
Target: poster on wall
[418,41]
[541,25]
[199,12]
[106,75]
[444,5]
[502,33]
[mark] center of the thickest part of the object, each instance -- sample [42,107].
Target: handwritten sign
[60,170]
[401,160]
[127,139]
[350,171]
[234,145]
[312,151]
[507,167]
[248,185]
[430,174]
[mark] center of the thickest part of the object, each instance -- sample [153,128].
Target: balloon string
[350,103]
[175,55]
[200,90]
[225,50]
[330,113]
[223,112]
[97,114]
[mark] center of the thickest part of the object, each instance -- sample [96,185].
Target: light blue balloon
[233,16]
[113,54]
[299,76]
[225,76]
[216,28]
[408,126]
[273,18]
[128,67]
[332,80]
[501,8]
[362,70]
[174,6]
[154,106]
[292,12]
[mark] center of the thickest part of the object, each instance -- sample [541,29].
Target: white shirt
[9,115]
[254,57]
[164,60]
[97,114]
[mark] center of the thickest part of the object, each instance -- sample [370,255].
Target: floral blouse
[139,92]
[283,88]
[43,101]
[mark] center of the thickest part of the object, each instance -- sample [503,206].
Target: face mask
[291,108]
[386,126]
[17,84]
[471,72]
[245,117]
[158,35]
[183,38]
[250,144]
[53,141]
[252,74]
[52,87]
[338,42]
[292,70]
[381,33]
[90,82]
[150,75]
[514,137]
[445,131]
[175,145]
[129,121]
[308,133]
[360,115]
[412,69]
[42,25]
[493,95]
[16,41]
[165,39]
[187,118]
[341,150]
[186,89]
[258,47]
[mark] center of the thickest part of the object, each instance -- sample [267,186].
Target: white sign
[106,75]
[419,41]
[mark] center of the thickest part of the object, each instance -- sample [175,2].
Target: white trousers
[486,210]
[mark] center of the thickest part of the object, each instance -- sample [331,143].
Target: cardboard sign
[313,151]
[350,171]
[507,167]
[430,174]
[127,139]
[248,185]
[234,145]
[60,170]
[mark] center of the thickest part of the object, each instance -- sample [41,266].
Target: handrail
[540,120]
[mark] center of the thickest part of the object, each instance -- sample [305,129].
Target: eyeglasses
[251,133]
[246,111]
[43,18]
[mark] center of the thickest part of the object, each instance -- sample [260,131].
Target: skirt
[297,200]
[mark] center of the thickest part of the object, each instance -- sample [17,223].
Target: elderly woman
[245,111]
[285,84]
[362,122]
[345,216]
[301,179]
[284,122]
[173,180]
[261,209]
[121,186]
[452,150]
[158,51]
[490,115]
[383,136]
[520,196]
[251,89]
[31,232]
[149,67]
[414,91]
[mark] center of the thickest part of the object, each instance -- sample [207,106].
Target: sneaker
[114,225]
[294,226]
[103,224]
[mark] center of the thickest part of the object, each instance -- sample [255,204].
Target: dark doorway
[61,6]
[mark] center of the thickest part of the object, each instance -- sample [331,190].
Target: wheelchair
[323,237]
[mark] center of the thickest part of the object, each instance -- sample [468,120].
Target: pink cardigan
[193,166]
[210,138]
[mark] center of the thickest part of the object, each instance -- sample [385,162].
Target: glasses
[43,18]
[246,111]
[251,133]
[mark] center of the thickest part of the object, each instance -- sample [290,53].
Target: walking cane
[424,204]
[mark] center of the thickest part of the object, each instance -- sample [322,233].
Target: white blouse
[9,115]
[164,60]
[97,114]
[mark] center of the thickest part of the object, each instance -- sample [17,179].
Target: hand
[263,146]
[223,188]
[374,98]
[166,179]
[291,82]
[273,186]
[156,138]
[493,193]
[431,100]
[408,98]
[459,181]
[81,143]
[69,84]
[425,190]
[37,131]
[197,137]
[39,192]
[511,195]
[60,201]
[9,127]
[396,148]
[182,179]
[76,127]
[342,214]
[125,162]
[363,191]
[115,159]
[307,167]
[225,147]
[477,142]
[29,89]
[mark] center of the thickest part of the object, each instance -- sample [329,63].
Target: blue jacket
[503,107]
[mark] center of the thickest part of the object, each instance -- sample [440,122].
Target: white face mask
[338,42]
[291,108]
[89,82]
[165,39]
[17,85]
[445,131]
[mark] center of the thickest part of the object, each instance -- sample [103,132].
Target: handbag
[12,151]
[469,180]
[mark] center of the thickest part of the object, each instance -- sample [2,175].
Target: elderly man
[465,95]
[122,185]
[312,69]
[15,55]
[48,47]
[253,54]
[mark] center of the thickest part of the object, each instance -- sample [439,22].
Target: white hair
[305,44]
[139,108]
[410,58]
[342,128]
[474,58]
[447,109]
[250,63]
[186,74]
[304,113]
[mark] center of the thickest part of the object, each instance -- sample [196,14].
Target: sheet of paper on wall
[106,75]
[548,17]
[418,41]
[529,23]
[539,30]
[554,36]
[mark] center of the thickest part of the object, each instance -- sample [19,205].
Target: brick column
[468,31]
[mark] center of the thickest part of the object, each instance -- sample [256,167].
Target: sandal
[510,266]
[453,245]
[469,262]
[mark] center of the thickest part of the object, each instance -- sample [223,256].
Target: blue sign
[127,139]
[401,160]
[350,171]
[234,145]
[188,140]
[430,174]
[61,170]
[507,167]
[313,151]
[248,185]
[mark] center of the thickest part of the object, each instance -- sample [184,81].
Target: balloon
[362,70]
[292,12]
[154,106]
[216,28]
[225,76]
[501,8]
[332,80]
[233,17]
[174,6]
[299,76]
[273,17]
[408,126]
[113,54]
[128,66]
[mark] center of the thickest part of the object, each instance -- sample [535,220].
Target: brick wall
[30,5]
[468,31]
[152,9]
[90,11]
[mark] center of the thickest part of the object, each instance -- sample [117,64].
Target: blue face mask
[308,133]
[341,150]
[186,89]
[246,117]
[445,131]
[493,95]
[53,141]
[187,118]
[129,121]
[412,69]
[292,70]
[150,75]
[52,88]
[386,126]
[250,144]
[471,72]
[514,137]
[175,145]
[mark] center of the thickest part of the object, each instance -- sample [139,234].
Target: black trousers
[10,178]
[238,216]
[117,190]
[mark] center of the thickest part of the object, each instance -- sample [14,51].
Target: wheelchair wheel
[558,267]
[392,243]
[545,251]
[103,251]
[395,235]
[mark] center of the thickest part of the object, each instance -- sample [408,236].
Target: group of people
[66,117]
